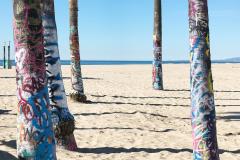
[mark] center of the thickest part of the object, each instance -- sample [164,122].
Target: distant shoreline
[115,62]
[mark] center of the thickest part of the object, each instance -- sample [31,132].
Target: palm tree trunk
[77,82]
[63,120]
[205,145]
[35,137]
[157,43]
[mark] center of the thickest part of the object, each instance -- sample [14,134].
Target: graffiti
[202,98]
[57,95]
[35,127]
[76,77]
[35,137]
[157,44]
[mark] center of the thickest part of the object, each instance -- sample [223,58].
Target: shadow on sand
[153,104]
[157,97]
[7,95]
[144,97]
[188,90]
[6,112]
[11,143]
[92,78]
[230,116]
[141,97]
[111,150]
[129,103]
[127,113]
[6,156]
[125,128]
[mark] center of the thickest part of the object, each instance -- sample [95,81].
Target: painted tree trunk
[205,145]
[63,120]
[35,137]
[157,43]
[77,82]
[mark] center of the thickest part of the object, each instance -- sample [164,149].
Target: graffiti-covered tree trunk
[205,145]
[63,121]
[157,44]
[35,136]
[77,82]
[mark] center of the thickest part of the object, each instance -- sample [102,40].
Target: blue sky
[122,29]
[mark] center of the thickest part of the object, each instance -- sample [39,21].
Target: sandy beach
[126,119]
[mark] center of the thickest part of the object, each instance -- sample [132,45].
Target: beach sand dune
[125,119]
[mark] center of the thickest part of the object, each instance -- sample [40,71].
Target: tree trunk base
[21,158]
[157,87]
[68,142]
[78,97]
[161,89]
[64,135]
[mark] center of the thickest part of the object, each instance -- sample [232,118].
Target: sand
[128,120]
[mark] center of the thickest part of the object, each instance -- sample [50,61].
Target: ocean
[114,62]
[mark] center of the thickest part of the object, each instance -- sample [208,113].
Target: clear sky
[122,29]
